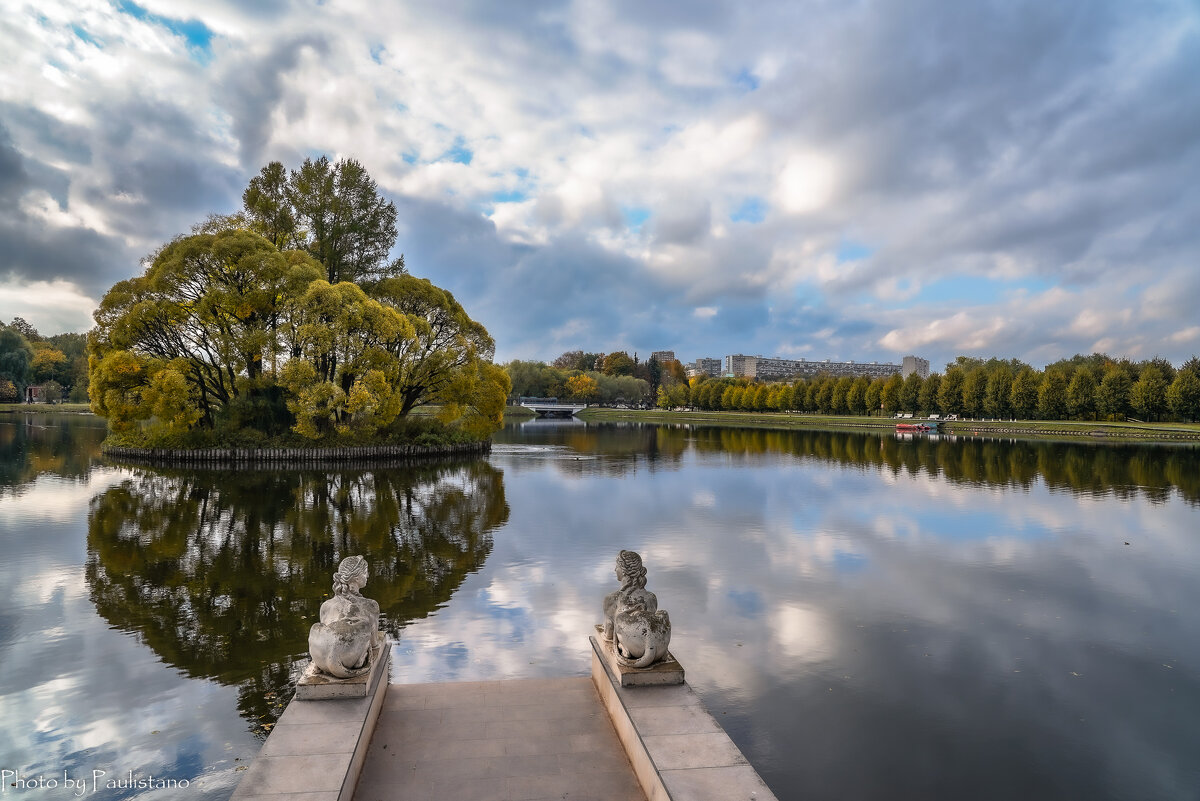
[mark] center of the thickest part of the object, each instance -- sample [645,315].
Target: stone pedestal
[317,686]
[667,671]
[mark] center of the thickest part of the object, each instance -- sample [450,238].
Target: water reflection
[60,445]
[914,618]
[1121,469]
[221,573]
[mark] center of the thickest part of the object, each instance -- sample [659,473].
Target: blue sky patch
[377,53]
[751,210]
[86,37]
[459,154]
[634,216]
[852,251]
[509,196]
[976,289]
[193,31]
[746,80]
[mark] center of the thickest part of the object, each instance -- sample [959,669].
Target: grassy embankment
[45,408]
[1055,429]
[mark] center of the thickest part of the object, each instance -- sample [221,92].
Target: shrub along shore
[1057,429]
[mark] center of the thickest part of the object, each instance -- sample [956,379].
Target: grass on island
[797,420]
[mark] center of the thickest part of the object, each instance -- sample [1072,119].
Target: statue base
[665,671]
[317,686]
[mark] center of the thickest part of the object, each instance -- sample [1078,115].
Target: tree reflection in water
[222,573]
[1122,470]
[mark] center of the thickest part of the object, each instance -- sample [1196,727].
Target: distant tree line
[56,364]
[1095,387]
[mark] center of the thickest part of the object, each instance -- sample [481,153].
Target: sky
[860,179]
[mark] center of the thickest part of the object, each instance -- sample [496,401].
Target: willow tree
[195,331]
[447,363]
[344,373]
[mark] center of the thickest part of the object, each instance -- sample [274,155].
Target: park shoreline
[1032,429]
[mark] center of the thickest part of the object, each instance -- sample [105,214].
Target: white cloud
[49,306]
[582,115]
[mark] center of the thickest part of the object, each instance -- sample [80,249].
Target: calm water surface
[869,617]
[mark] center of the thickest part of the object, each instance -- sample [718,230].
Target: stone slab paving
[514,740]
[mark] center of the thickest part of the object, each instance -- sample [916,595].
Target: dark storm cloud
[1042,119]
[251,89]
[12,171]
[52,137]
[524,293]
[30,251]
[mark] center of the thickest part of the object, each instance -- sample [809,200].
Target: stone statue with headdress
[638,630]
[340,645]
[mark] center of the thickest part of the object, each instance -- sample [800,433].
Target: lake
[869,616]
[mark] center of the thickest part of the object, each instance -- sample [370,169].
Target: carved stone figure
[341,643]
[639,632]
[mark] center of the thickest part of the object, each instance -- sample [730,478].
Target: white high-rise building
[914,364]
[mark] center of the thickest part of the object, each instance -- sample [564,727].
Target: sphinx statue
[638,631]
[340,644]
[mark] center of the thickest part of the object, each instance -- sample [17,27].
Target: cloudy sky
[845,180]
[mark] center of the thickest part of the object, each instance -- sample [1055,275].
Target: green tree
[824,396]
[269,210]
[1024,395]
[1081,393]
[1112,396]
[910,392]
[25,329]
[974,391]
[1052,395]
[856,397]
[950,393]
[997,396]
[841,391]
[618,363]
[529,379]
[874,395]
[347,373]
[927,398]
[342,221]
[1148,395]
[208,304]
[447,340]
[16,358]
[1184,394]
[889,397]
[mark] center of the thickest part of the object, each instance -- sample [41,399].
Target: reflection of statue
[341,642]
[639,632]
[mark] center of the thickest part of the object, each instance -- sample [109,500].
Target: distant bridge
[550,407]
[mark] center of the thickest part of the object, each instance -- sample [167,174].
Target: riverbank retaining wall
[216,457]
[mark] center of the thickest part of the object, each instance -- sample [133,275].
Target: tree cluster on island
[286,321]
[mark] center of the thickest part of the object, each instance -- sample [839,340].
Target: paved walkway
[522,740]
